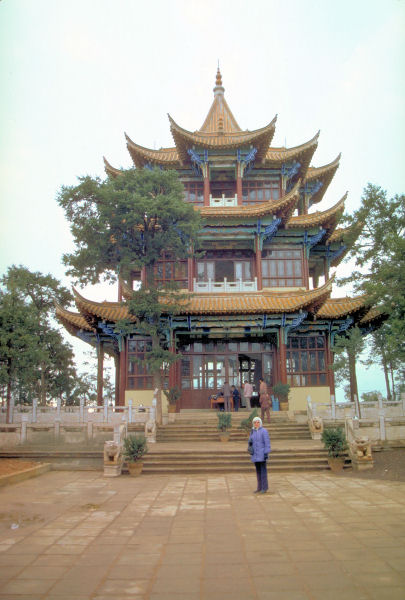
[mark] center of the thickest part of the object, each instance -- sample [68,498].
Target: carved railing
[225,286]
[224,201]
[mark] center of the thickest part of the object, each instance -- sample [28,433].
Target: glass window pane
[304,361]
[311,342]
[232,346]
[320,342]
[322,379]
[321,361]
[312,361]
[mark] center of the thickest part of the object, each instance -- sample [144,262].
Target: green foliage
[126,222]
[246,424]
[281,390]
[334,440]
[35,361]
[172,395]
[370,396]
[224,421]
[379,254]
[135,447]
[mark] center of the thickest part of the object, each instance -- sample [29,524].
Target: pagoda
[260,302]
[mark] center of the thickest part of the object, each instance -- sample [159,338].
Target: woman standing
[259,447]
[264,400]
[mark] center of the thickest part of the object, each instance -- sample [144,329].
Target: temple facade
[260,303]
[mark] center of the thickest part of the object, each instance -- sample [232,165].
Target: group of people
[229,392]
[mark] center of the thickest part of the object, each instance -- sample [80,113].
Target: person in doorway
[247,393]
[260,448]
[236,398]
[264,400]
[226,390]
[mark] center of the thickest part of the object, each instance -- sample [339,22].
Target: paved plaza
[79,536]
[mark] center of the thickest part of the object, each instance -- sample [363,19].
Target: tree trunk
[385,367]
[8,418]
[392,382]
[157,384]
[353,377]
[43,387]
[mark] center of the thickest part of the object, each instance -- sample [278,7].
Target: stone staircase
[195,426]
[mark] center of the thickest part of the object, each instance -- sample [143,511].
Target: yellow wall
[143,397]
[298,396]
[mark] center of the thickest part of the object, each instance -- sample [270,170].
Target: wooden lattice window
[306,361]
[194,192]
[254,192]
[282,267]
[171,269]
[139,377]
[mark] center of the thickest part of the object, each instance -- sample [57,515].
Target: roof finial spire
[218,89]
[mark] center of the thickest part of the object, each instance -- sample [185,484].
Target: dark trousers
[261,473]
[265,411]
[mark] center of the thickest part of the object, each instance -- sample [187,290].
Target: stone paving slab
[79,536]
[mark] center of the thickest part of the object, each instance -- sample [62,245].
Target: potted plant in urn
[172,395]
[224,424]
[246,424]
[281,391]
[135,447]
[334,440]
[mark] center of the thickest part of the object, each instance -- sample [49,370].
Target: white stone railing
[223,201]
[71,415]
[225,286]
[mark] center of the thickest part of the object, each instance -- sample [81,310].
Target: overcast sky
[75,75]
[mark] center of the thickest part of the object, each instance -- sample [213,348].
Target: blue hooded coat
[260,441]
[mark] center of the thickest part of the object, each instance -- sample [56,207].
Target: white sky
[75,75]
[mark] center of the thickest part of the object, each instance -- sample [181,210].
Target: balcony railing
[223,201]
[225,286]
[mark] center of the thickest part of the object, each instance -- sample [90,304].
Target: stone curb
[25,474]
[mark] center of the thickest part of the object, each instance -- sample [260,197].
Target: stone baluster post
[105,410]
[34,410]
[58,403]
[333,407]
[129,411]
[81,410]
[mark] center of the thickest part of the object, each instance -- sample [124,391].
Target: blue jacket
[261,444]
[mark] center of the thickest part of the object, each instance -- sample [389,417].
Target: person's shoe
[257,492]
[263,491]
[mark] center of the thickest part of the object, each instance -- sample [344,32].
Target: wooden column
[329,363]
[123,373]
[239,184]
[206,189]
[100,366]
[117,379]
[282,356]
[119,291]
[190,273]
[258,259]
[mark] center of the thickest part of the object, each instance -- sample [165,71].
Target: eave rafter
[324,175]
[327,219]
[72,321]
[141,156]
[275,157]
[110,170]
[260,139]
[282,208]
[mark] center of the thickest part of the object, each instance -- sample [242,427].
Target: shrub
[334,440]
[246,424]
[224,420]
[135,446]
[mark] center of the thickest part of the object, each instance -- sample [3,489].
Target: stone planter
[336,464]
[171,408]
[224,436]
[284,405]
[135,468]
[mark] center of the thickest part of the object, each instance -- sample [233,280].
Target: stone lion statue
[112,453]
[361,448]
[316,425]
[150,431]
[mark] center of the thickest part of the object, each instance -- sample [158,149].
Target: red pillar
[329,363]
[239,185]
[258,264]
[206,189]
[117,379]
[282,356]
[123,374]
[100,365]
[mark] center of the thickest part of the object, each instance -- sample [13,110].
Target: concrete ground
[79,536]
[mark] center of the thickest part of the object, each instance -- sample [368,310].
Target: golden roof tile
[374,314]
[283,207]
[141,155]
[75,321]
[184,139]
[277,156]
[328,218]
[109,311]
[220,117]
[339,307]
[110,170]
